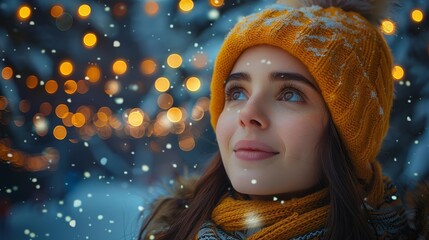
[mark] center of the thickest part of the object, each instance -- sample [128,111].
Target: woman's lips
[250,150]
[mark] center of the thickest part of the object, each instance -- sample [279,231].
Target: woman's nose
[253,114]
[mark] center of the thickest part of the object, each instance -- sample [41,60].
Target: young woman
[300,101]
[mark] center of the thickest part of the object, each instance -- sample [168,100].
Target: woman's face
[271,124]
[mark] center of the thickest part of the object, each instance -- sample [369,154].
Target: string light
[84,11]
[7,73]
[174,60]
[57,11]
[151,8]
[388,27]
[60,132]
[148,67]
[398,72]
[51,86]
[216,3]
[66,68]
[24,13]
[417,15]
[174,114]
[193,84]
[119,67]
[186,5]
[162,84]
[89,40]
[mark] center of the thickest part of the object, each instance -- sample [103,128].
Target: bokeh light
[7,73]
[135,117]
[3,102]
[60,132]
[151,8]
[200,60]
[70,86]
[216,3]
[51,86]
[31,81]
[388,27]
[66,68]
[119,67]
[84,11]
[82,86]
[120,9]
[417,15]
[193,84]
[57,11]
[398,72]
[187,143]
[24,106]
[148,66]
[186,5]
[93,74]
[174,60]
[78,119]
[165,101]
[24,12]
[45,108]
[174,114]
[61,110]
[112,87]
[89,40]
[162,84]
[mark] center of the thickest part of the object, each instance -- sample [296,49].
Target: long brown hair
[346,219]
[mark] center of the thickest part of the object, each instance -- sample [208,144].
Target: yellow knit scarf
[277,219]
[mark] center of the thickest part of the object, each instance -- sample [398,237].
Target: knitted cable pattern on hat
[350,62]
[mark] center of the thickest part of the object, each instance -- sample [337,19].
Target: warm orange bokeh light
[82,86]
[186,5]
[3,102]
[24,106]
[174,114]
[112,87]
[89,40]
[61,110]
[187,143]
[193,84]
[57,11]
[148,66]
[119,67]
[24,12]
[417,15]
[84,11]
[165,101]
[388,27]
[398,72]
[45,108]
[162,84]
[135,117]
[51,86]
[31,81]
[78,120]
[120,9]
[60,132]
[7,73]
[174,60]
[151,8]
[66,68]
[93,74]
[216,3]
[70,86]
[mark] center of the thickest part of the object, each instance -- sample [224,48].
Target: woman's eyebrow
[285,76]
[238,76]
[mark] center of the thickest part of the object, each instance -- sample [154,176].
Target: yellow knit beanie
[350,61]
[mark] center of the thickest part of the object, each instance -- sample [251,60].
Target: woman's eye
[291,96]
[236,94]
